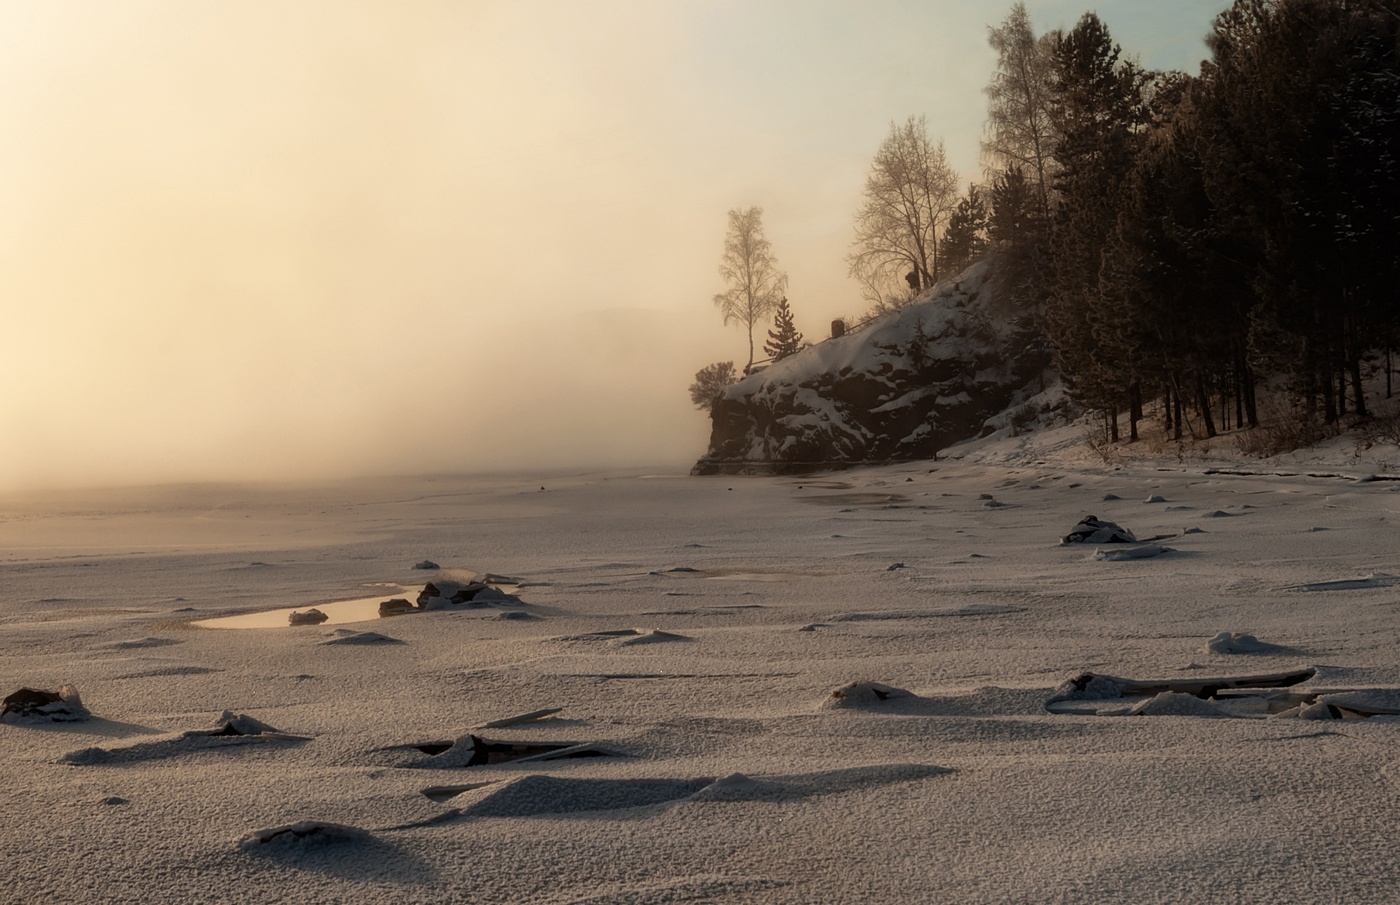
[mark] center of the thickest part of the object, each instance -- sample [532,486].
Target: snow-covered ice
[692,636]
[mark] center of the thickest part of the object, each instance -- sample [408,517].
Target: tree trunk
[1134,410]
[1357,392]
[1251,407]
[1203,403]
[1176,406]
[1224,403]
[1329,398]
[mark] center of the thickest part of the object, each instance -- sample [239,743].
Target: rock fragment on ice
[426,564]
[35,705]
[397,606]
[450,595]
[1094,530]
[312,616]
[1089,687]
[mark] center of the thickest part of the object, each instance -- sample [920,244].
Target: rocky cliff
[903,387]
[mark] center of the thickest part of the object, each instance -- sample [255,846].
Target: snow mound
[308,833]
[1374,580]
[1145,551]
[864,694]
[653,636]
[537,795]
[230,730]
[1237,643]
[350,636]
[798,786]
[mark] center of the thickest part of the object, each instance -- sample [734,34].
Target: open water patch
[361,609]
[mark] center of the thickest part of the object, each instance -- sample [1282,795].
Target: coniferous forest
[1209,248]
[1192,239]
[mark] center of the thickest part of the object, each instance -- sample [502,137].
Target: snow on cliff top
[863,349]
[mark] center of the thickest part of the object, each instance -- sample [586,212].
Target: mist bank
[596,389]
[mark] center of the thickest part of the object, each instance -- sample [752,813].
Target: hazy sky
[279,239]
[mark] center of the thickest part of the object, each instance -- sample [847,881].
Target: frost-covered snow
[692,632]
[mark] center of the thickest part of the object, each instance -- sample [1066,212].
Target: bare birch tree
[909,195]
[748,266]
[1020,132]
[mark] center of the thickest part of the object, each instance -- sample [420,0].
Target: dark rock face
[28,704]
[907,385]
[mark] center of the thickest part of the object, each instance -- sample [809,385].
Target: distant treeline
[1190,238]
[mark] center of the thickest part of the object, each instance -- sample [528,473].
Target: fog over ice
[254,240]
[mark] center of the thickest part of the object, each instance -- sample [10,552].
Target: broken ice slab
[1091,686]
[474,751]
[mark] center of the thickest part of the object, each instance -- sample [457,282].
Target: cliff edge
[906,385]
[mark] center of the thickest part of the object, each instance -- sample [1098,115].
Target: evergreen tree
[1013,217]
[783,339]
[1099,110]
[1302,162]
[965,239]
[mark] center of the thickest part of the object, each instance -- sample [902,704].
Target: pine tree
[965,239]
[1013,217]
[1303,163]
[783,339]
[1099,111]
